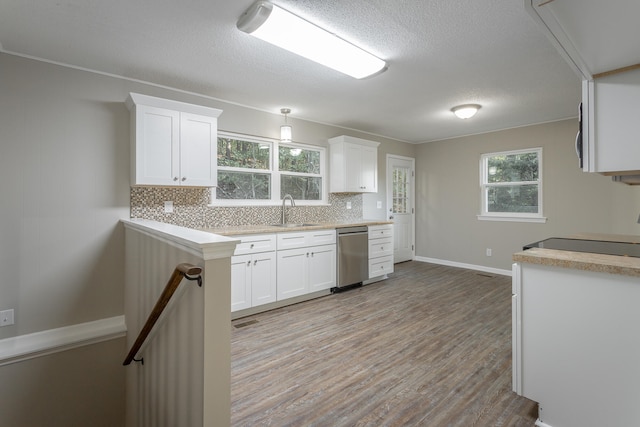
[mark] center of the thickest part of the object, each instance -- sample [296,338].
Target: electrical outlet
[6,317]
[168,206]
[379,204]
[488,251]
[348,205]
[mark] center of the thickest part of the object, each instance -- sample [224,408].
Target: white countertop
[262,229]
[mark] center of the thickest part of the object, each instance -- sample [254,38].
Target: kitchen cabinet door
[611,142]
[353,169]
[263,278]
[198,145]
[157,146]
[369,169]
[292,273]
[240,282]
[322,267]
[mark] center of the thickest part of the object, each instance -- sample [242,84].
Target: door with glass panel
[400,205]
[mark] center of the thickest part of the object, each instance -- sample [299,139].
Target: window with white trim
[260,171]
[511,185]
[300,172]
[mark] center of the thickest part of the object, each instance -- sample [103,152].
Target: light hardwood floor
[431,346]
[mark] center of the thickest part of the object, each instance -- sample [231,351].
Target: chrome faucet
[293,204]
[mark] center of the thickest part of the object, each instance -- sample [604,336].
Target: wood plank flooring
[431,346]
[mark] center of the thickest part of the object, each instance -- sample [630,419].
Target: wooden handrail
[184,270]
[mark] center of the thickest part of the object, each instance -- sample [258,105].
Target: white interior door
[400,205]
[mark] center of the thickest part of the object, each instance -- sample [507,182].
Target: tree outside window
[300,173]
[254,171]
[244,169]
[511,184]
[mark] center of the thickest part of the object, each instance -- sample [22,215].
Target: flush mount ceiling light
[288,31]
[285,129]
[466,111]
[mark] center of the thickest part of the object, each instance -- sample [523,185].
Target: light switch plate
[168,206]
[348,205]
[6,317]
[379,204]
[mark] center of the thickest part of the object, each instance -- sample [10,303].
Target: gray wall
[448,197]
[64,185]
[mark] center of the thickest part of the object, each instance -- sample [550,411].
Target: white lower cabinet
[267,268]
[308,268]
[322,268]
[253,272]
[292,273]
[380,250]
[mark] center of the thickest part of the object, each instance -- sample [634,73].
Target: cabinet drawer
[322,237]
[378,231]
[255,244]
[380,266]
[380,247]
[306,238]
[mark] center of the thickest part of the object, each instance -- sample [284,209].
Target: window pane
[294,159]
[301,187]
[243,154]
[400,194]
[512,168]
[513,198]
[241,185]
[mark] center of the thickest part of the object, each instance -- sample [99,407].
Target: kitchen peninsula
[575,346]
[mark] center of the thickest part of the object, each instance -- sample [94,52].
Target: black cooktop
[590,246]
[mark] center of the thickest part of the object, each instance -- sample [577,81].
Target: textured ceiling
[441,53]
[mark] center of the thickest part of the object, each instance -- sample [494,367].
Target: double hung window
[260,171]
[511,186]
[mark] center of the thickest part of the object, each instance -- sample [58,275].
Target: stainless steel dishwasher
[353,255]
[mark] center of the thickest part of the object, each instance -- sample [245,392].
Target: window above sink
[255,171]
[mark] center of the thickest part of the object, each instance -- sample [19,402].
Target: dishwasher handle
[352,230]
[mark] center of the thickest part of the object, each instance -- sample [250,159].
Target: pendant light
[285,129]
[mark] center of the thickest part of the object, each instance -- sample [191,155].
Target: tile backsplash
[191,209]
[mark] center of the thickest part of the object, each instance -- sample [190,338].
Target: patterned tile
[191,209]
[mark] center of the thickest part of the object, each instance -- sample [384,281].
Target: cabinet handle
[175,178]
[184,178]
[255,262]
[307,254]
[382,248]
[312,254]
[251,246]
[248,263]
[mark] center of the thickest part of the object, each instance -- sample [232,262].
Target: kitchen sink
[292,225]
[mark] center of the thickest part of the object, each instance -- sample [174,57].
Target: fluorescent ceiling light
[466,111]
[288,31]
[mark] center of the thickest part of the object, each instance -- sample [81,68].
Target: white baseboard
[24,347]
[541,424]
[463,265]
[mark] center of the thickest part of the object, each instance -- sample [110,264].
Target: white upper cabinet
[600,42]
[353,165]
[172,143]
[595,36]
[611,108]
